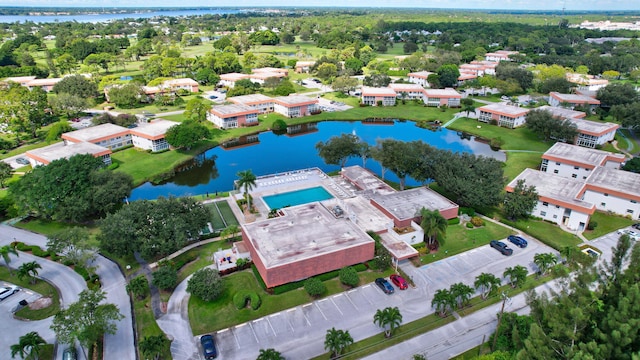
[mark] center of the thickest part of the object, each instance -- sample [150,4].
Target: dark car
[399,281]
[517,241]
[384,285]
[208,347]
[636,226]
[22,161]
[502,247]
[69,354]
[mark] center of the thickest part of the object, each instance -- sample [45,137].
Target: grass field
[146,324]
[550,234]
[41,287]
[221,215]
[460,239]
[606,223]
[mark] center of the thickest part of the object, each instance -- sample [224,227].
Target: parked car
[502,247]
[212,97]
[208,347]
[636,226]
[7,291]
[384,285]
[399,281]
[22,161]
[517,241]
[70,353]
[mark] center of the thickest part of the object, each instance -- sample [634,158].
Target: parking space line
[271,326]
[321,312]
[236,337]
[351,301]
[254,333]
[306,318]
[334,304]
[290,326]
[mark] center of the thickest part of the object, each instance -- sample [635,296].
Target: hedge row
[241,297]
[36,250]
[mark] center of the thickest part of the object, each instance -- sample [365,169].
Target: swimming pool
[297,197]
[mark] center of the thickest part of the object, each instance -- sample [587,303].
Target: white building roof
[408,203]
[504,109]
[59,150]
[153,130]
[377,91]
[573,154]
[96,133]
[616,182]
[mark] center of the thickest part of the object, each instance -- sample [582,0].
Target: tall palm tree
[5,251]
[486,282]
[153,346]
[434,226]
[388,318]
[336,341]
[247,181]
[461,293]
[29,270]
[517,275]
[269,354]
[29,346]
[442,300]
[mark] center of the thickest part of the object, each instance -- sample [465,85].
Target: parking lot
[215,96]
[306,321]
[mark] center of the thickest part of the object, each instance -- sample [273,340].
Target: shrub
[241,297]
[37,251]
[314,287]
[166,277]
[469,225]
[349,276]
[592,225]
[258,277]
[22,246]
[467,210]
[454,221]
[113,166]
[281,289]
[496,143]
[82,272]
[360,267]
[206,284]
[328,275]
[477,221]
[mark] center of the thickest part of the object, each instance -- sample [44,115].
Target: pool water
[297,197]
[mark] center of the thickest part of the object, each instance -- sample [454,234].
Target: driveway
[118,346]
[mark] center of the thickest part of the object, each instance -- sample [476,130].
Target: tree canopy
[186,134]
[338,149]
[543,124]
[75,189]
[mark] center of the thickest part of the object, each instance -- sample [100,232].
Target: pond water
[268,153]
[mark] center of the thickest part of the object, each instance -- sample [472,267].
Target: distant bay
[94,18]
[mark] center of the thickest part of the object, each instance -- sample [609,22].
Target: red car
[398,281]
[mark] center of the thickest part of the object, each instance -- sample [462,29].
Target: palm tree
[29,270]
[247,181]
[5,251]
[388,317]
[336,341]
[461,293]
[434,226]
[486,283]
[153,346]
[443,300]
[544,262]
[517,275]
[269,354]
[29,346]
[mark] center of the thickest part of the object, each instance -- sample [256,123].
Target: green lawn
[221,313]
[41,287]
[146,324]
[626,140]
[514,139]
[606,224]
[460,239]
[518,161]
[47,227]
[222,210]
[548,233]
[202,256]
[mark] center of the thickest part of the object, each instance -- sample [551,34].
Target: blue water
[94,18]
[297,197]
[216,169]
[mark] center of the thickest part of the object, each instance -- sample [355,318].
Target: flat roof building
[293,106]
[62,150]
[573,155]
[572,100]
[504,115]
[151,136]
[373,95]
[108,135]
[262,103]
[614,190]
[306,241]
[233,116]
[440,97]
[404,206]
[420,78]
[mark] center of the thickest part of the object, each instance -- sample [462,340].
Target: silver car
[7,291]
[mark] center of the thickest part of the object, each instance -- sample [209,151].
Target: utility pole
[495,336]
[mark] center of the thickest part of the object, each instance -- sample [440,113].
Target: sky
[548,5]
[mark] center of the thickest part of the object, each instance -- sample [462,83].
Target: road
[119,346]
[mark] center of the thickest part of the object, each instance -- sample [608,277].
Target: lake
[94,18]
[268,153]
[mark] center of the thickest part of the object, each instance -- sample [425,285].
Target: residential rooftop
[580,155]
[250,99]
[96,133]
[447,92]
[408,203]
[615,180]
[554,188]
[411,87]
[377,91]
[504,109]
[367,182]
[563,113]
[594,128]
[574,98]
[153,130]
[232,110]
[295,100]
[420,74]
[61,150]
[305,232]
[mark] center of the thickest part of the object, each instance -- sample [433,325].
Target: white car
[7,291]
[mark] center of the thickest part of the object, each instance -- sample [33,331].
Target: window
[574,175]
[543,213]
[555,171]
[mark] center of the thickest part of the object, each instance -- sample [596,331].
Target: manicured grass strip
[460,239]
[41,287]
[216,219]
[606,223]
[146,324]
[227,213]
[202,255]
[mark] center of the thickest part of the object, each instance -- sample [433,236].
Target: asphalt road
[119,346]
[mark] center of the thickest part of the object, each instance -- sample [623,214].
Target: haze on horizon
[548,5]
